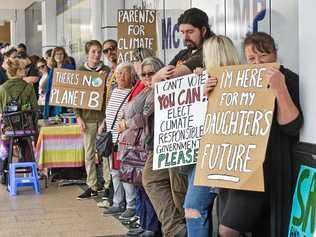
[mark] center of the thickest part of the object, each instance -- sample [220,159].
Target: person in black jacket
[267,213]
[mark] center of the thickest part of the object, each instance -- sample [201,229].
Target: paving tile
[54,213]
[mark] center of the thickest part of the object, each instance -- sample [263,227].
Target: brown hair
[34,58]
[66,60]
[92,43]
[41,60]
[261,41]
[13,66]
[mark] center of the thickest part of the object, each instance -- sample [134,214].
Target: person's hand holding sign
[276,81]
[164,74]
[210,83]
[82,125]
[122,126]
[103,74]
[287,110]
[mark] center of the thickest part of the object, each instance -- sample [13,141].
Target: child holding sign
[89,120]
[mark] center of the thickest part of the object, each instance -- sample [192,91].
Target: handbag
[104,140]
[133,161]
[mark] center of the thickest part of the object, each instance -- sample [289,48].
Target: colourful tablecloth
[60,146]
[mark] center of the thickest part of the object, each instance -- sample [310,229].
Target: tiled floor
[55,212]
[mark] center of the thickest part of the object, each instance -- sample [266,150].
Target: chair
[31,180]
[20,128]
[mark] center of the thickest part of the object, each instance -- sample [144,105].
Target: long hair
[197,18]
[59,49]
[219,51]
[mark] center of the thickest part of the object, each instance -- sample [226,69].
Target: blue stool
[31,180]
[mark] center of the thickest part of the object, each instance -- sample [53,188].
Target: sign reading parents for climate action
[179,114]
[303,218]
[77,89]
[136,29]
[236,129]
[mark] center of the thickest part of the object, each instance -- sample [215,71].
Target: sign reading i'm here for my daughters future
[179,115]
[236,129]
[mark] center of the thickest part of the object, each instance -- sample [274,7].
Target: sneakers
[89,193]
[106,194]
[147,233]
[135,232]
[113,210]
[127,214]
[104,204]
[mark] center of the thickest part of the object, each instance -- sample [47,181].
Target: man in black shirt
[168,183]
[195,29]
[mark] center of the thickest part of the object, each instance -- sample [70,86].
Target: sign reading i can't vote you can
[303,216]
[77,89]
[136,29]
[179,115]
[236,129]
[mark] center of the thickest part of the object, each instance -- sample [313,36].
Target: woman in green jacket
[16,87]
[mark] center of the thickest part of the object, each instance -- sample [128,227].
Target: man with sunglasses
[110,53]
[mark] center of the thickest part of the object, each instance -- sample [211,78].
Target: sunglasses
[149,74]
[105,51]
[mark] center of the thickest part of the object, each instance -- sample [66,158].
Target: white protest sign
[179,117]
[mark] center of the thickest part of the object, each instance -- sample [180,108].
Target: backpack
[14,103]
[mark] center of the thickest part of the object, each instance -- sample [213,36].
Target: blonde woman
[217,51]
[16,87]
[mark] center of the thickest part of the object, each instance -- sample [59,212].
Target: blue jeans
[146,212]
[200,199]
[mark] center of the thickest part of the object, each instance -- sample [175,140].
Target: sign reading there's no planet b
[77,89]
[236,129]
[179,115]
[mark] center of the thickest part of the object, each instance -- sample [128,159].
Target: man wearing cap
[169,183]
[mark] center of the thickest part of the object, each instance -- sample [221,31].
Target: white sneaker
[104,204]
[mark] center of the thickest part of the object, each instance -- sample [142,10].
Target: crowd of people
[167,203]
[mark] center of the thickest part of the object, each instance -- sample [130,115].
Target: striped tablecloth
[60,146]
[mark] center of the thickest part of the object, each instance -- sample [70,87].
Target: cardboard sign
[303,222]
[77,89]
[236,129]
[136,29]
[179,115]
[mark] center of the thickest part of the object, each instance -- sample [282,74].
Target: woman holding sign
[89,120]
[140,117]
[218,51]
[267,214]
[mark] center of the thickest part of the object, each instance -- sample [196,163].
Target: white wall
[284,29]
[307,52]
[109,20]
[17,19]
[49,25]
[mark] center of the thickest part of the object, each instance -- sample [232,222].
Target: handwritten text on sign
[236,129]
[136,29]
[179,114]
[77,89]
[303,216]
